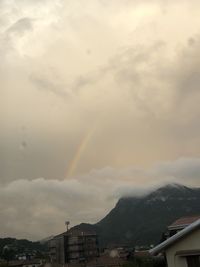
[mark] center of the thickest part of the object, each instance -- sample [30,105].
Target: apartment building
[73,247]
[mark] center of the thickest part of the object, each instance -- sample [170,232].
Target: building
[73,246]
[180,224]
[183,248]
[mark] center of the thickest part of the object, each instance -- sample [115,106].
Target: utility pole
[67,223]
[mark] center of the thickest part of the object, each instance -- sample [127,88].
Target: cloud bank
[38,208]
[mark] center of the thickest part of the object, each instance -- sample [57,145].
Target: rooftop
[76,232]
[170,241]
[184,221]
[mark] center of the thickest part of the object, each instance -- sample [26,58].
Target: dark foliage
[10,247]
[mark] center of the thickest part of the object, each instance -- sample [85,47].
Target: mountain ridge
[141,220]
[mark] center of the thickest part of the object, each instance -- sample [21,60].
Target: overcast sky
[98,99]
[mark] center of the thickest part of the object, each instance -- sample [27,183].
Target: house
[180,224]
[183,248]
[73,246]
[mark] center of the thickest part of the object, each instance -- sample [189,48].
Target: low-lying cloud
[38,208]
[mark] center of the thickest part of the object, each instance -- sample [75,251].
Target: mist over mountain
[142,220]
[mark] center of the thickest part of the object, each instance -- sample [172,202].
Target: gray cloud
[21,26]
[50,86]
[140,87]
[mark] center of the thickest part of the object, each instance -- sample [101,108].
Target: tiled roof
[170,241]
[143,253]
[184,221]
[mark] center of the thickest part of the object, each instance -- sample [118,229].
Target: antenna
[67,223]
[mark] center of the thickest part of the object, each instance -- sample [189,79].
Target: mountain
[46,239]
[142,220]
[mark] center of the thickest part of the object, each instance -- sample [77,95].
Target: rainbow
[79,151]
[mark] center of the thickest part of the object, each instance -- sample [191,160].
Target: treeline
[11,247]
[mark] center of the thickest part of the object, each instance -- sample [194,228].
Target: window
[193,261]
